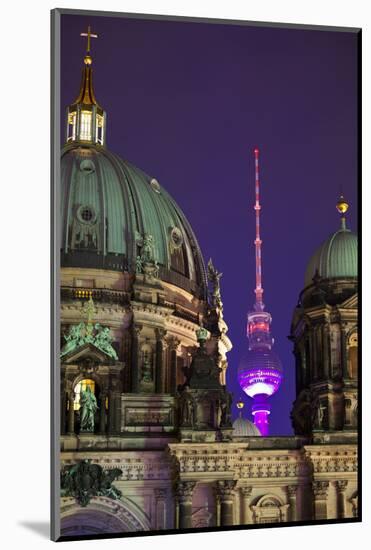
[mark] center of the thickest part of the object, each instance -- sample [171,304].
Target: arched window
[269,509]
[353,355]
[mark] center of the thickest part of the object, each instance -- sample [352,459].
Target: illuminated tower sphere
[260,372]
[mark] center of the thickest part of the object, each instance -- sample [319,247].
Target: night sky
[188,102]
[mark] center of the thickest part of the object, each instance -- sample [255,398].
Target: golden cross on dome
[89,35]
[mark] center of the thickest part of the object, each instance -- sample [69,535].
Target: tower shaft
[259,306]
[260,373]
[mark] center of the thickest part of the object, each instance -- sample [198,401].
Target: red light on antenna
[256,151]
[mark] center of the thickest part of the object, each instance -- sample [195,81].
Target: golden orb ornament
[88,60]
[342,206]
[240,404]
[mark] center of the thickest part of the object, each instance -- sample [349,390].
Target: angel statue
[214,277]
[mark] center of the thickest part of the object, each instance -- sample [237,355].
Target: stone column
[135,359]
[63,411]
[326,350]
[298,370]
[308,362]
[225,491]
[184,492]
[118,412]
[354,503]
[320,492]
[341,486]
[246,494]
[291,496]
[71,413]
[160,499]
[159,375]
[173,344]
[314,363]
[127,351]
[102,413]
[114,407]
[344,353]
[111,412]
[319,351]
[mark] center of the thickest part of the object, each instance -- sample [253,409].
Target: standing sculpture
[145,262]
[88,408]
[214,277]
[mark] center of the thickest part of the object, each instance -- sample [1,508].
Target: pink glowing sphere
[260,373]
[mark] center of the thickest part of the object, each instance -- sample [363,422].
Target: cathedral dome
[109,206]
[336,258]
[242,427]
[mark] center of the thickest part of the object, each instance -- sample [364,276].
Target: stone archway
[269,509]
[102,515]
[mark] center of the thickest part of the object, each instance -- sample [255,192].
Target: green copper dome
[242,427]
[109,206]
[336,258]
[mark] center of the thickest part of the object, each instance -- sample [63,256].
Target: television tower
[260,372]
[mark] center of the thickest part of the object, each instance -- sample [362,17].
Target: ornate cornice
[134,466]
[332,458]
[110,315]
[148,308]
[237,460]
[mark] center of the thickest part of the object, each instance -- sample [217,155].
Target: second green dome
[336,258]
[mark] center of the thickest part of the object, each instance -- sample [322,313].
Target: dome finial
[86,121]
[342,207]
[88,59]
[240,405]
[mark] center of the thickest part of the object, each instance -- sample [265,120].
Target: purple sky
[188,102]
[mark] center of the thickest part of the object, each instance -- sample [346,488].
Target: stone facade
[178,473]
[163,415]
[206,485]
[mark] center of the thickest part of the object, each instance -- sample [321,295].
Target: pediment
[350,303]
[87,351]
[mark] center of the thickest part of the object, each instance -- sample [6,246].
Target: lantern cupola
[86,120]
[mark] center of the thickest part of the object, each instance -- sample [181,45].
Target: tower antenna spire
[260,373]
[259,306]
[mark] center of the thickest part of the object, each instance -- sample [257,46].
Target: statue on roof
[103,340]
[145,261]
[214,277]
[89,333]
